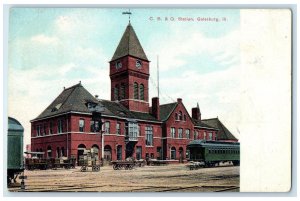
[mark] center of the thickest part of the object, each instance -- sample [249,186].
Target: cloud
[175,51]
[43,39]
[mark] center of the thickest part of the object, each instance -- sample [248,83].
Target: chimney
[179,100]
[196,114]
[155,108]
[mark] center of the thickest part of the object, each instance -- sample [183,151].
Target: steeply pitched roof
[70,99]
[129,45]
[199,123]
[223,133]
[75,98]
[166,110]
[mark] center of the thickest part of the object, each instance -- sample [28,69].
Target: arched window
[135,91]
[176,116]
[122,91]
[116,92]
[142,92]
[180,115]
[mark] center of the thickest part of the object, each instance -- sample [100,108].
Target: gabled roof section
[70,99]
[129,45]
[223,133]
[166,110]
[76,98]
[199,123]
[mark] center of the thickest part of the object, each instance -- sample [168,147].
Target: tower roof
[129,45]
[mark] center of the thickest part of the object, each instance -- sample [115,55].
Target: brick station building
[130,126]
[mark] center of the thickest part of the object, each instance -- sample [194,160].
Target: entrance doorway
[119,152]
[80,151]
[107,154]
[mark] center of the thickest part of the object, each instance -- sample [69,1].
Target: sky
[52,48]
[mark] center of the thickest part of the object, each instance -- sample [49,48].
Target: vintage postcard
[149,100]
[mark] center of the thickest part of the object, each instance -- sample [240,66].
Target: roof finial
[127,13]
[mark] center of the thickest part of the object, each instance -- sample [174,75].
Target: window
[118,128]
[210,136]
[122,91]
[132,131]
[187,133]
[45,128]
[119,152]
[142,92]
[116,92]
[172,132]
[184,117]
[195,135]
[60,126]
[173,153]
[180,133]
[180,116]
[94,126]
[176,116]
[81,125]
[38,130]
[149,135]
[204,135]
[138,152]
[159,153]
[51,128]
[107,127]
[135,91]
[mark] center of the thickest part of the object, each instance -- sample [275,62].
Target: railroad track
[80,188]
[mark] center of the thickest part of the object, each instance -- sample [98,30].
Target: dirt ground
[169,178]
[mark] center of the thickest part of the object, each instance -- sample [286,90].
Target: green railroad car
[210,153]
[15,157]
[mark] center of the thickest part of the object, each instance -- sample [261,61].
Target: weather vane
[127,13]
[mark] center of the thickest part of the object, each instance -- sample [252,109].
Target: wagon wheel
[130,167]
[97,168]
[115,167]
[126,167]
[94,168]
[83,168]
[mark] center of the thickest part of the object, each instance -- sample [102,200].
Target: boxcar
[15,157]
[214,152]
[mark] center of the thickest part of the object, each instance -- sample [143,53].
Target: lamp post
[96,110]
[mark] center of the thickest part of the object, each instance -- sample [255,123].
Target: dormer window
[56,107]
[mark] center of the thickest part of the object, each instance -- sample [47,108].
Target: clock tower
[129,73]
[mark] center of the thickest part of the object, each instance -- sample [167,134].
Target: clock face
[138,64]
[118,65]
